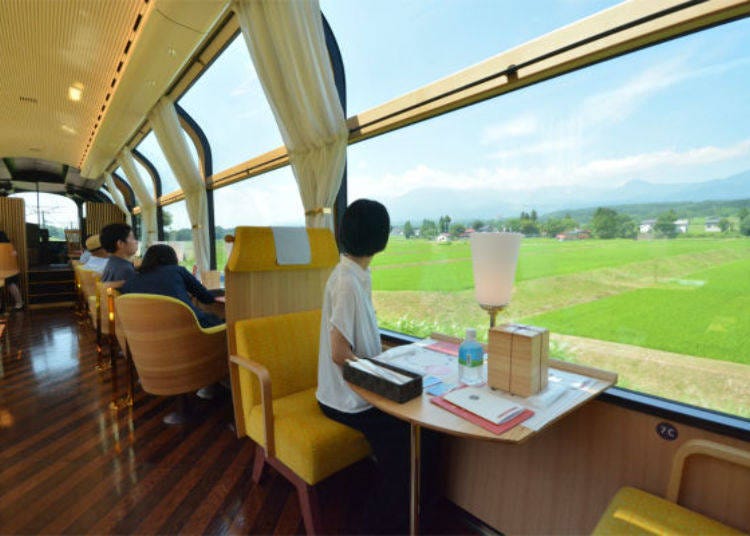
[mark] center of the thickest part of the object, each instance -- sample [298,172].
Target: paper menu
[482,402]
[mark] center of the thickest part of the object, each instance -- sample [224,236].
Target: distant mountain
[489,203]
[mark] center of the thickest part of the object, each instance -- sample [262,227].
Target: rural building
[575,234]
[681,225]
[646,226]
[712,225]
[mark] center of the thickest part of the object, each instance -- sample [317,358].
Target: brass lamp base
[493,310]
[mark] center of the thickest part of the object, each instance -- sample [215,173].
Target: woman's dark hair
[158,255]
[113,233]
[365,228]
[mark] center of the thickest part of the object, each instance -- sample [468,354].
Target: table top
[5,274]
[424,413]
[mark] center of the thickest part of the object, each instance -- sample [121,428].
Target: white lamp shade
[494,257]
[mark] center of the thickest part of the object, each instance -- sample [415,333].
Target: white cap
[471,334]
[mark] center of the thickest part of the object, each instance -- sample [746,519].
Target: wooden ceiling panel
[47,47]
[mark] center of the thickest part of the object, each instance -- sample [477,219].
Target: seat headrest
[254,250]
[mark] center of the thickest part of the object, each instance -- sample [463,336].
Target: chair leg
[308,501]
[181,415]
[259,463]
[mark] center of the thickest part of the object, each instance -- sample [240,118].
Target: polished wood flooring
[70,465]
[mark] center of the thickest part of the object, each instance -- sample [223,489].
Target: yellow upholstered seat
[278,364]
[633,511]
[308,442]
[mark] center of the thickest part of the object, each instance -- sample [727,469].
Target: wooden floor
[69,465]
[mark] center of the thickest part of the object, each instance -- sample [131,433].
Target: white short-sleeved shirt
[347,306]
[96,263]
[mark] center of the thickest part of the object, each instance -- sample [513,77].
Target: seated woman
[159,273]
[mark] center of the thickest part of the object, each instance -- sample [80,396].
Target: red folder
[444,347]
[479,421]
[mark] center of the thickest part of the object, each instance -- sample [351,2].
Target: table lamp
[494,257]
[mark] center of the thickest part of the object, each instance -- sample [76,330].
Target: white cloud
[517,127]
[659,166]
[551,145]
[269,200]
[636,165]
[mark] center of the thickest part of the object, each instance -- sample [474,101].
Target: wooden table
[420,412]
[218,307]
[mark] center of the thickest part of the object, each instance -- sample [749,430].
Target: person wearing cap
[99,257]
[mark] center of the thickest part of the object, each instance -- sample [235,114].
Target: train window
[149,147]
[629,180]
[268,199]
[148,178]
[228,102]
[178,232]
[50,211]
[429,40]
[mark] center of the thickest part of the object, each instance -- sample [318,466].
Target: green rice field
[669,316]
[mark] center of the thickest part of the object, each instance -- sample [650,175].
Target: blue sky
[676,112]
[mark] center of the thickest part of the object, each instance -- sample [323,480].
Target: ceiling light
[68,129]
[75,91]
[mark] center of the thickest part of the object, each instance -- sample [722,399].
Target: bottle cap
[471,334]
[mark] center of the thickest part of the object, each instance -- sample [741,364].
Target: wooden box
[392,391]
[499,350]
[517,359]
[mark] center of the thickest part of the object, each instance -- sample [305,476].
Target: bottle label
[471,357]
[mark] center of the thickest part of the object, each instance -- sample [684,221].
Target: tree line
[606,223]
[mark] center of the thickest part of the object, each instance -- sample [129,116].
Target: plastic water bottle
[471,359]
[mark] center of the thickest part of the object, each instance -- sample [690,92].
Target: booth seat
[278,363]
[632,511]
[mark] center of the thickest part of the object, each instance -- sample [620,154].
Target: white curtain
[169,134]
[286,42]
[149,233]
[114,191]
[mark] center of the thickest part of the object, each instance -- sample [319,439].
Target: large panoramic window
[178,232]
[269,199]
[430,40]
[629,180]
[229,104]
[150,148]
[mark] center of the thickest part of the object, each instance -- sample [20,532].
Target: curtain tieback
[319,210]
[197,226]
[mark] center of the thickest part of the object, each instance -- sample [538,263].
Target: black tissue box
[392,391]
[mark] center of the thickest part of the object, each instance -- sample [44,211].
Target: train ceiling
[80,76]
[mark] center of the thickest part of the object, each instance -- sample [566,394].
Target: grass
[427,266]
[703,315]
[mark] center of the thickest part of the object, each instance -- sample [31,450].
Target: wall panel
[13,223]
[100,214]
[561,481]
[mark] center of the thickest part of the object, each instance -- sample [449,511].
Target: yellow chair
[172,353]
[257,286]
[278,368]
[89,278]
[73,243]
[633,511]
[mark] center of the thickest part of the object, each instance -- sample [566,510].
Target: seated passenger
[118,239]
[160,274]
[98,257]
[86,255]
[11,283]
[349,330]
